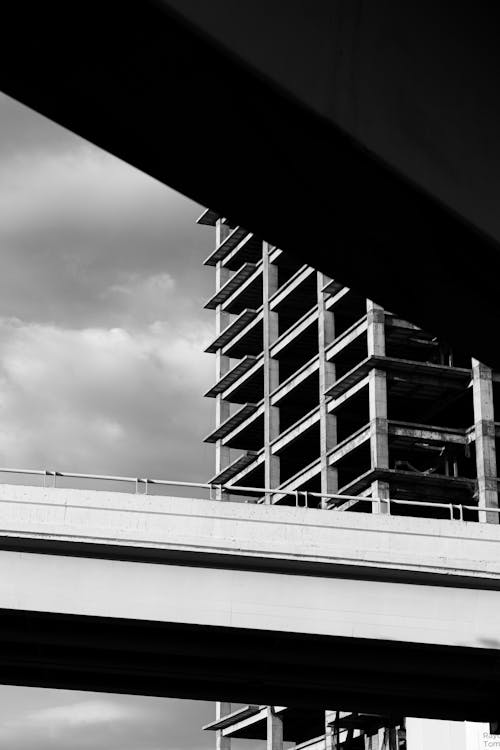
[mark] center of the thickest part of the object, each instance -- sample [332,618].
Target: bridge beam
[199,599]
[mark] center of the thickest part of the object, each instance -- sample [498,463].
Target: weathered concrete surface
[290,538]
[226,601]
[259,567]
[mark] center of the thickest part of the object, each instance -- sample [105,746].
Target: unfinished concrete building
[331,401]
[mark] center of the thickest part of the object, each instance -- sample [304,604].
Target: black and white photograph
[249,365]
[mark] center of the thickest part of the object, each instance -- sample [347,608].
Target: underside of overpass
[246,666]
[370,118]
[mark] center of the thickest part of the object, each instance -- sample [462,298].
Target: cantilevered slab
[435,487]
[241,275]
[232,718]
[229,424]
[229,472]
[237,325]
[226,246]
[232,376]
[251,723]
[208,218]
[332,287]
[455,376]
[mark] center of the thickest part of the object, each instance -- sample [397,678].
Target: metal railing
[258,495]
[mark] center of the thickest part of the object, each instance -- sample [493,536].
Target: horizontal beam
[295,330]
[428,433]
[295,430]
[290,286]
[298,377]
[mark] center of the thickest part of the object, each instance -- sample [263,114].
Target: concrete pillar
[274,730]
[372,741]
[222,363]
[377,395]
[385,738]
[330,731]
[484,424]
[221,742]
[328,422]
[271,370]
[391,741]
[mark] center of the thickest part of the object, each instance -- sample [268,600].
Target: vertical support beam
[484,424]
[385,738]
[391,741]
[327,422]
[222,363]
[331,738]
[372,741]
[377,394]
[221,742]
[271,370]
[274,730]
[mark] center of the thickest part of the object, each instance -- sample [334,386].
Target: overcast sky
[102,370]
[102,327]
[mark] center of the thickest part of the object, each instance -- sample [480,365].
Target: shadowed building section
[335,403]
[360,136]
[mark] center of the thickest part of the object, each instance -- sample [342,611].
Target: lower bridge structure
[194,598]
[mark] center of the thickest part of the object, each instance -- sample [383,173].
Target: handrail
[301,497]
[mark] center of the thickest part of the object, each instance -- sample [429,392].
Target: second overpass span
[197,598]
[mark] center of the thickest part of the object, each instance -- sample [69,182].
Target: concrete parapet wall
[313,541]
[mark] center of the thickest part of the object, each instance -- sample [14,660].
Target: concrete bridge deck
[196,598]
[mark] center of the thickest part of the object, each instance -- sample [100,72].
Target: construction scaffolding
[319,390]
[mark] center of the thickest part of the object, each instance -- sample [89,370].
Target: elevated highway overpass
[195,598]
[379,120]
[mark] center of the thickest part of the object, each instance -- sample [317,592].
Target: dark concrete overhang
[362,137]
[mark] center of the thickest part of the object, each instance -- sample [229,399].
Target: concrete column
[274,730]
[484,424]
[377,394]
[385,738]
[328,422]
[372,741]
[330,732]
[222,363]
[391,741]
[271,370]
[221,742]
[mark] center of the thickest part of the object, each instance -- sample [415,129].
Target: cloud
[24,131]
[105,400]
[77,222]
[101,371]
[111,722]
[101,323]
[81,714]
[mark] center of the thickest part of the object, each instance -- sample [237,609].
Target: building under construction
[327,400]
